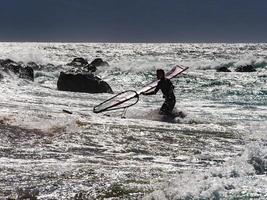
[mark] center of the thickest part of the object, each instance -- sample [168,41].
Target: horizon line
[129,42]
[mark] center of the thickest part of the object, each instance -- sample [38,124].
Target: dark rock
[48,67]
[81,65]
[258,164]
[90,68]
[6,62]
[8,65]
[15,68]
[87,83]
[27,73]
[78,62]
[27,194]
[99,62]
[223,69]
[33,65]
[246,68]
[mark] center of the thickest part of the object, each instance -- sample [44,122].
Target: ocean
[218,151]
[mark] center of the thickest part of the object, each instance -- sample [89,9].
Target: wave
[227,181]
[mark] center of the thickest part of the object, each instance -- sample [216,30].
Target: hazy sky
[134,20]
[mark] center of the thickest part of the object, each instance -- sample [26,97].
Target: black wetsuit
[166,86]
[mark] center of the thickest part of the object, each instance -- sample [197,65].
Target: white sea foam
[235,178]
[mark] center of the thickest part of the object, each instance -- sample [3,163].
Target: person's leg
[171,105]
[167,107]
[164,108]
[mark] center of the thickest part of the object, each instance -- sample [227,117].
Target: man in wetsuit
[166,87]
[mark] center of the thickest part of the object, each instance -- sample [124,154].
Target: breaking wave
[233,179]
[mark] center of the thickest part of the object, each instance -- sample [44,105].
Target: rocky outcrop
[87,83]
[98,62]
[78,62]
[26,73]
[35,66]
[259,164]
[246,68]
[80,77]
[6,62]
[82,65]
[223,69]
[21,71]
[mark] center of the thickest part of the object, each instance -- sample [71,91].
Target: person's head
[160,74]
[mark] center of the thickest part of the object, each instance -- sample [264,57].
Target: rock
[49,67]
[6,62]
[80,65]
[99,62]
[246,68]
[78,62]
[87,83]
[15,68]
[258,164]
[27,194]
[27,73]
[223,69]
[8,65]
[34,66]
[90,68]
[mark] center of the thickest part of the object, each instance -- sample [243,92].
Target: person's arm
[153,92]
[172,85]
[150,93]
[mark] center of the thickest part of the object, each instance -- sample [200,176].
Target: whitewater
[218,151]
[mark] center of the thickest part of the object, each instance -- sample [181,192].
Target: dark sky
[133,20]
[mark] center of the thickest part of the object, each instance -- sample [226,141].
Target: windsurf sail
[131,96]
[116,101]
